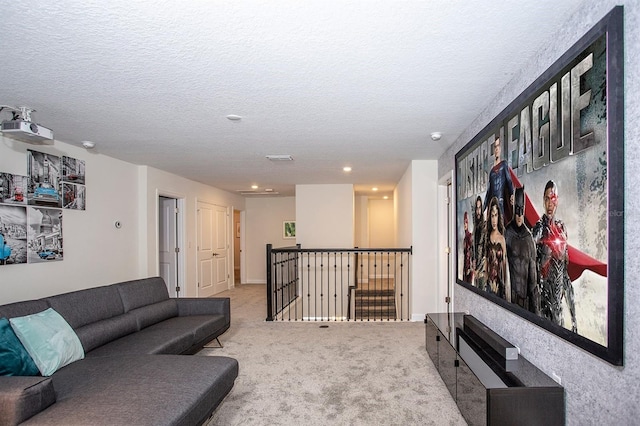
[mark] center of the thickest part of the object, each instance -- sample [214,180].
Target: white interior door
[213,270]
[167,243]
[221,250]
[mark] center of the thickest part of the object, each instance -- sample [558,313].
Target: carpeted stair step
[375,307]
[372,293]
[375,299]
[375,314]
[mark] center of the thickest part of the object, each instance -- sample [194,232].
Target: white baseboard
[417,317]
[256,282]
[320,319]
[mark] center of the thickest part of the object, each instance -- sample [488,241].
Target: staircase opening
[375,299]
[356,284]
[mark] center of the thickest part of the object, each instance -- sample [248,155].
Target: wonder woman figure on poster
[479,232]
[468,251]
[496,253]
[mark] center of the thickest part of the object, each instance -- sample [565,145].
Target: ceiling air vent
[283,157]
[259,193]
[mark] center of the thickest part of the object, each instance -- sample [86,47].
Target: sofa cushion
[20,309]
[152,314]
[203,326]
[142,292]
[49,339]
[190,387]
[87,306]
[14,358]
[203,306]
[167,337]
[102,332]
[22,397]
[175,335]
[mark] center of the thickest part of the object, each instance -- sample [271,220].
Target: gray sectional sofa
[135,371]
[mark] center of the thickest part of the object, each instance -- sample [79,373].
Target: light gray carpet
[296,373]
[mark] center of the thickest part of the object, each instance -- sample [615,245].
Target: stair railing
[338,284]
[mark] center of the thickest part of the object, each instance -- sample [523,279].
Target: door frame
[180,237]
[446,240]
[232,240]
[228,231]
[243,251]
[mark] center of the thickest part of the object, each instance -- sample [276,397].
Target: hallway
[248,303]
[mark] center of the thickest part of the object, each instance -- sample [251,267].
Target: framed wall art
[44,179]
[13,235]
[288,229]
[540,198]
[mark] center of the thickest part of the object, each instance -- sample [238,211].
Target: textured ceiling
[332,83]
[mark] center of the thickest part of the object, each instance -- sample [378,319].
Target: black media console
[491,383]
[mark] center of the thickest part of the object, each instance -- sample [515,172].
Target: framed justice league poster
[540,198]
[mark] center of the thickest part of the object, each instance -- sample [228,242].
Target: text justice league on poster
[532,202]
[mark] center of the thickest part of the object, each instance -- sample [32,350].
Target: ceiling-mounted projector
[27,131]
[23,129]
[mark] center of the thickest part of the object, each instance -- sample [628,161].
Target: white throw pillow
[49,339]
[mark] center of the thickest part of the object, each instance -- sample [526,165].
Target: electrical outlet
[557,378]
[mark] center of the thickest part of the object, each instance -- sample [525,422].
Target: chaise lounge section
[134,371]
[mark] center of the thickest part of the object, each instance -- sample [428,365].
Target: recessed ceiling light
[254,186]
[88,144]
[268,190]
[374,189]
[346,169]
[436,136]
[234,117]
[386,197]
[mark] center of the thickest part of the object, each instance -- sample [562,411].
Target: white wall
[424,194]
[596,392]
[402,205]
[381,227]
[325,216]
[361,222]
[415,197]
[95,252]
[154,182]
[263,218]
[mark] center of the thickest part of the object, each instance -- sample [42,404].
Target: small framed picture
[289,229]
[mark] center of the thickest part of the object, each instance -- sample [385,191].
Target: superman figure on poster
[500,184]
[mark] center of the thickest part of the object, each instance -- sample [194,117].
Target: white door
[221,250]
[167,243]
[213,247]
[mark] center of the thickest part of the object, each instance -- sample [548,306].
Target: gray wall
[596,392]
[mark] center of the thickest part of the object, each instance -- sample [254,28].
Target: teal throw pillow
[14,358]
[49,339]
